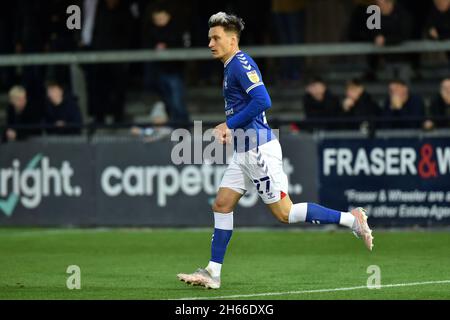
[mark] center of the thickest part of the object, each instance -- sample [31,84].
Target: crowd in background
[401,108]
[34,26]
[61,114]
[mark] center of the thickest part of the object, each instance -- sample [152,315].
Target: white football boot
[201,277]
[361,228]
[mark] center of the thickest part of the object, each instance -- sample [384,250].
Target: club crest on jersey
[253,76]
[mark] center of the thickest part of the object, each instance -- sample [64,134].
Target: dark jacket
[395,28]
[357,30]
[28,117]
[59,37]
[414,107]
[439,108]
[364,109]
[113,27]
[30,25]
[171,35]
[440,21]
[68,111]
[328,108]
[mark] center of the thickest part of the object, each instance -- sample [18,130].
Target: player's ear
[234,40]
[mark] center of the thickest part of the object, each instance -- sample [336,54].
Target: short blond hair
[229,22]
[16,91]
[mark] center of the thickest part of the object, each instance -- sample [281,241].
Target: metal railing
[91,132]
[276,122]
[141,55]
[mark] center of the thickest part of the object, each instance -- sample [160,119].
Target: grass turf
[142,264]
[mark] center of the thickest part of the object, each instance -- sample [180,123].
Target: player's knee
[221,206]
[282,215]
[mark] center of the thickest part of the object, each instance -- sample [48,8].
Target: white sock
[223,221]
[214,268]
[347,219]
[298,212]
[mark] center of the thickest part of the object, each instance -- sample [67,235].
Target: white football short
[260,168]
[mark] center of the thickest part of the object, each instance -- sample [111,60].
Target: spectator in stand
[358,105]
[418,11]
[20,113]
[396,24]
[320,103]
[440,107]
[402,104]
[396,27]
[438,22]
[357,28]
[62,111]
[161,32]
[289,20]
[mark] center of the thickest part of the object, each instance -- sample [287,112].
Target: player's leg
[265,169]
[231,189]
[287,212]
[222,207]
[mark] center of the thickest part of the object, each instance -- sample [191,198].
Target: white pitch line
[267,294]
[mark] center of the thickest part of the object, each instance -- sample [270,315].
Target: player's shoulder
[244,56]
[243,63]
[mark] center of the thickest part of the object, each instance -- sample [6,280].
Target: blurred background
[86,115]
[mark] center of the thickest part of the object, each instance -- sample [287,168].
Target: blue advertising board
[400,181]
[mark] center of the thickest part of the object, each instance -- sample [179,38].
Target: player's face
[221,43]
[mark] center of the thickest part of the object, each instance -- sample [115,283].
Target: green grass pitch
[143,263]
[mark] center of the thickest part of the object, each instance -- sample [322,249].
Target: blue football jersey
[242,79]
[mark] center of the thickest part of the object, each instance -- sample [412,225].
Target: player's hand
[222,133]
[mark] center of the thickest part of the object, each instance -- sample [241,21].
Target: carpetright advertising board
[130,184]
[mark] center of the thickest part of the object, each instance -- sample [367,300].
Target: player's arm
[260,99]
